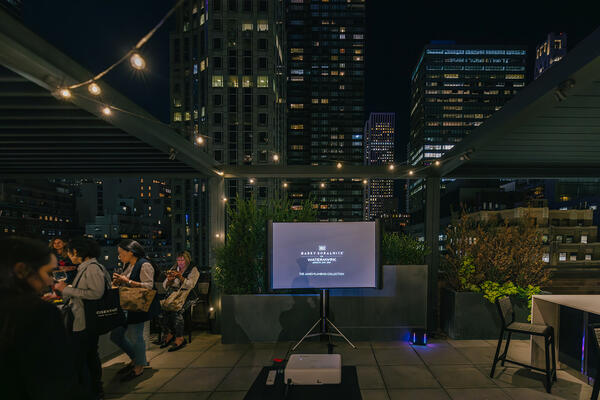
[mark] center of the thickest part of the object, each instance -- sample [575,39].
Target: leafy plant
[401,249]
[241,261]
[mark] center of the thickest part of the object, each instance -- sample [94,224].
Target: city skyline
[409,26]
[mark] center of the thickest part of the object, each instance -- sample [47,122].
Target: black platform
[347,390]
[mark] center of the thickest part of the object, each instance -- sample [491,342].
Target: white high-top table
[545,310]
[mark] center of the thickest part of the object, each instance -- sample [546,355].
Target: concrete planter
[468,315]
[388,313]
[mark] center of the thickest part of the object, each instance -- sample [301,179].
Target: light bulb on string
[65,93]
[411,172]
[106,111]
[285,184]
[276,157]
[200,140]
[251,180]
[322,185]
[391,167]
[339,165]
[94,89]
[437,163]
[365,181]
[137,61]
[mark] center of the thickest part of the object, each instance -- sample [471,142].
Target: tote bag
[105,314]
[136,299]
[176,300]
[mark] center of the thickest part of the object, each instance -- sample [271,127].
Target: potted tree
[483,261]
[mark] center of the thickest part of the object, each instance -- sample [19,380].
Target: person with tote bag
[138,273]
[180,281]
[89,284]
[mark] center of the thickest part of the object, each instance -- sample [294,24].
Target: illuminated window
[515,76]
[177,116]
[315,101]
[217,81]
[188,116]
[247,27]
[562,257]
[584,239]
[451,76]
[262,26]
[324,101]
[297,126]
[262,81]
[546,257]
[296,106]
[588,257]
[233,81]
[246,81]
[296,50]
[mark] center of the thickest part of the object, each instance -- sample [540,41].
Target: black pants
[88,363]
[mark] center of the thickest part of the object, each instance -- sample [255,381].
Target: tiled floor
[207,369]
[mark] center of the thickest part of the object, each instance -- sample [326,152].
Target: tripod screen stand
[324,324]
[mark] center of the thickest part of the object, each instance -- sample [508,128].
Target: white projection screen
[323,255]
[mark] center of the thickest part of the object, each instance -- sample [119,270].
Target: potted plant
[484,260]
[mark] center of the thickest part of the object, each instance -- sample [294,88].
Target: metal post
[216,236]
[432,232]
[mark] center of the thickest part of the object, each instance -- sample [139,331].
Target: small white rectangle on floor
[314,369]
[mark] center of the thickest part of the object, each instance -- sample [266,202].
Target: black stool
[507,318]
[595,337]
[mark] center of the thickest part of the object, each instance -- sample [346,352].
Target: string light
[220,173]
[285,184]
[65,93]
[411,172]
[94,89]
[217,235]
[137,61]
[391,167]
[339,165]
[322,185]
[251,180]
[106,111]
[225,199]
[365,181]
[437,163]
[275,157]
[200,140]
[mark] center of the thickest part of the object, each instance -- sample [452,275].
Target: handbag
[176,300]
[105,314]
[66,313]
[136,299]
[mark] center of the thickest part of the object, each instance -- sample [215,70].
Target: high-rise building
[379,150]
[228,97]
[42,209]
[113,209]
[325,92]
[454,89]
[552,50]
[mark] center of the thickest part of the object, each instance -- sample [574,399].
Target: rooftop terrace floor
[445,369]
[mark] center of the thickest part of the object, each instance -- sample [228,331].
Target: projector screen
[323,255]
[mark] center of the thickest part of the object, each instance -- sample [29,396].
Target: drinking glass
[59,276]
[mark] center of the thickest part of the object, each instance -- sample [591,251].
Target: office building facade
[228,98]
[454,89]
[379,136]
[325,91]
[552,50]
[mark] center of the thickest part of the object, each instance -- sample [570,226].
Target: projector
[314,369]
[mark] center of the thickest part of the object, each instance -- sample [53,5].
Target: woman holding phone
[138,272]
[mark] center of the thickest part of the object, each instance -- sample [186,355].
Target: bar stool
[596,339]
[507,318]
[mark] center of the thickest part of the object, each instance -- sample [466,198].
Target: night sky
[97,32]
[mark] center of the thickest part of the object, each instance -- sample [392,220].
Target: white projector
[314,369]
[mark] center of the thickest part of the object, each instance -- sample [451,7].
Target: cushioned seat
[541,330]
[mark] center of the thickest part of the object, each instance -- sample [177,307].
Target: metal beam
[319,172]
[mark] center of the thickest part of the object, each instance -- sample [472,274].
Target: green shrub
[241,264]
[401,249]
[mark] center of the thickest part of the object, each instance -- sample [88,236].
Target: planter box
[468,315]
[382,314]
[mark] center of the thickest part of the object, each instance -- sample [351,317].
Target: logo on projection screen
[321,255]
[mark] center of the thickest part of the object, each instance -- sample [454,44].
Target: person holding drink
[138,273]
[59,248]
[36,358]
[182,276]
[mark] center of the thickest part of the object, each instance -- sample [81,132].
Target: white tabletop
[584,302]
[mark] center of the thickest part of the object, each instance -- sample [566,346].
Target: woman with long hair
[36,361]
[58,245]
[138,272]
[183,276]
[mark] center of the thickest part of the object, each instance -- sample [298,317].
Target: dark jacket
[36,361]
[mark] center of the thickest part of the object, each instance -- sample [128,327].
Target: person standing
[89,284]
[139,272]
[182,276]
[36,358]
[59,248]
